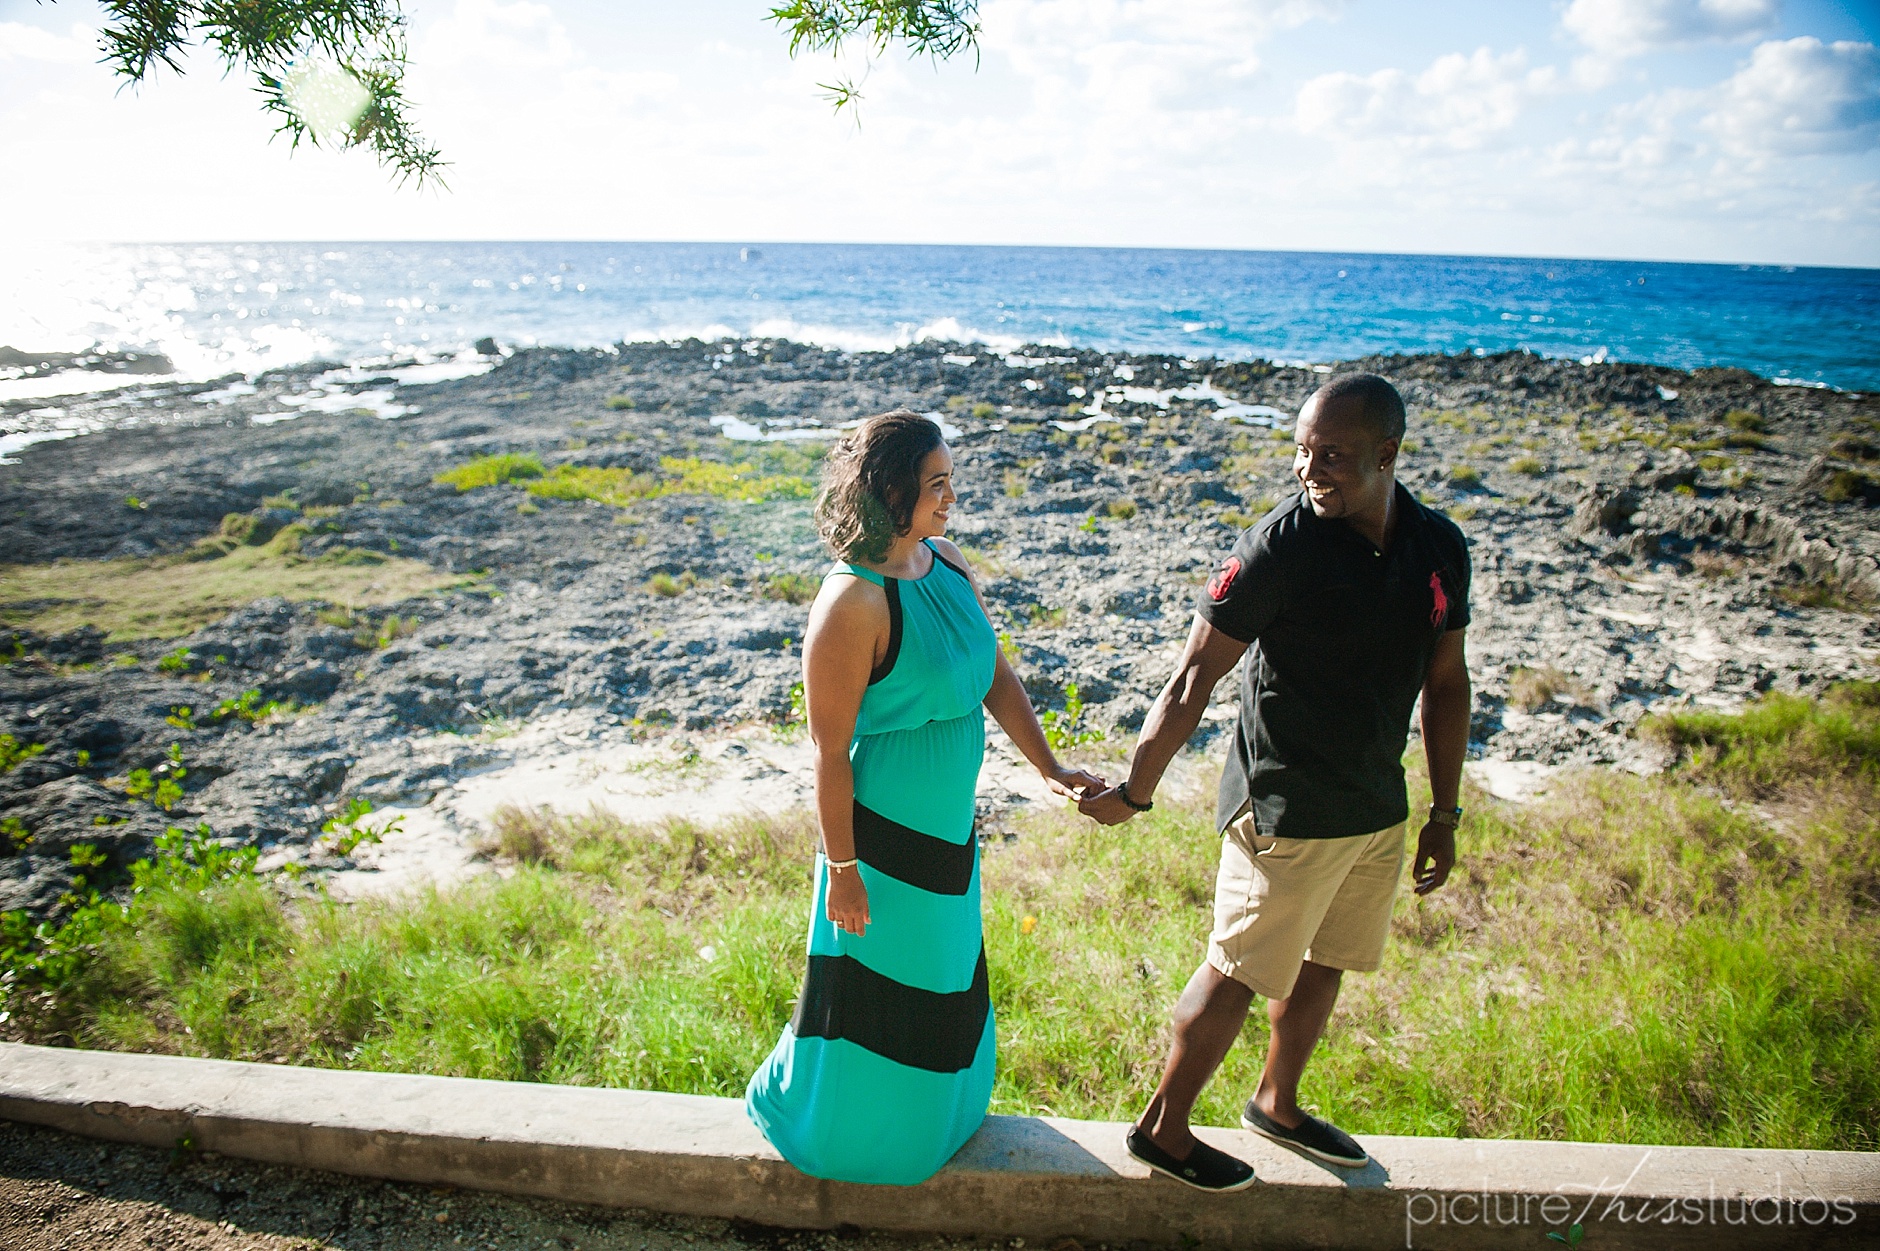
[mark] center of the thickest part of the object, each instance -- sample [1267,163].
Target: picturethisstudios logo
[1581,1209]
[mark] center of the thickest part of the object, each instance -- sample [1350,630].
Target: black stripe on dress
[922,1029]
[893,587]
[949,564]
[932,864]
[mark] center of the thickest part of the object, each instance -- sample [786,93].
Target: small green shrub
[1066,729]
[175,662]
[1122,509]
[1748,440]
[791,588]
[1743,419]
[983,410]
[389,631]
[1530,466]
[1015,483]
[620,403]
[1464,476]
[344,834]
[1008,647]
[1042,618]
[13,752]
[1533,689]
[1853,447]
[1844,485]
[250,707]
[666,586]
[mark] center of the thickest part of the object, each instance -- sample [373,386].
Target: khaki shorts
[1281,901]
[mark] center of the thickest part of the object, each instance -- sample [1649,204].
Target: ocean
[216,309]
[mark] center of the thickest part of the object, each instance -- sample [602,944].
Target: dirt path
[63,1193]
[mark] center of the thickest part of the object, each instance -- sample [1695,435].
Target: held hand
[1436,855]
[1106,807]
[1076,783]
[847,901]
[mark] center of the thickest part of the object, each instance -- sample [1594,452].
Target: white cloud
[1798,97]
[1106,122]
[1459,102]
[1172,73]
[1627,28]
[21,42]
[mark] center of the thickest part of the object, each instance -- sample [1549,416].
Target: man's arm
[1209,656]
[1446,705]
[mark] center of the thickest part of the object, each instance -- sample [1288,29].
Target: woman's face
[936,495]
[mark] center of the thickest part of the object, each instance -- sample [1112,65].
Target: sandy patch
[573,765]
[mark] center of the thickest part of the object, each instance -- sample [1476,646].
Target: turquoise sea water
[215,308]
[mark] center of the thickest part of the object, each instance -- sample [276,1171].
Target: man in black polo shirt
[1354,598]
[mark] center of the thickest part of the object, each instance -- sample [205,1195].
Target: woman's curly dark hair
[871,482]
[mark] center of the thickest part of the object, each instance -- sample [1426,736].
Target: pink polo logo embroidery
[1439,601]
[1223,579]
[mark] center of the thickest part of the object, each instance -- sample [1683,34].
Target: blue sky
[1734,130]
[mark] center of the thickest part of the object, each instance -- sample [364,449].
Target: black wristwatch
[1123,790]
[1451,817]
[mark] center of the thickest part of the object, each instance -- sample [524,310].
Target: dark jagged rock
[1651,536]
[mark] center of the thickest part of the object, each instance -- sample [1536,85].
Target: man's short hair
[1377,402]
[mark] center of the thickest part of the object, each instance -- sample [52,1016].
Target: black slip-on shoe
[1319,1139]
[1204,1169]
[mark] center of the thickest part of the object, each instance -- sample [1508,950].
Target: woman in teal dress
[886,1067]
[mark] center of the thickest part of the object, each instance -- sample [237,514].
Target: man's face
[1346,470]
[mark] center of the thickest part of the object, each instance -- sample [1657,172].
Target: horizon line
[1056,247]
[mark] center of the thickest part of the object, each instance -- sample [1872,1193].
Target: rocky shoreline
[634,579]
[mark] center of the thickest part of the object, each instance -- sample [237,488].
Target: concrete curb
[1026,1176]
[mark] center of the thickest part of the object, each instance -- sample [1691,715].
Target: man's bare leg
[1297,1021]
[1208,1018]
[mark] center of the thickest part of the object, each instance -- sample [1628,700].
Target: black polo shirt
[1341,637]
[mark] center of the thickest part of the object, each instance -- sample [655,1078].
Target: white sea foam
[72,382]
[377,401]
[52,424]
[1226,408]
[850,339]
[779,431]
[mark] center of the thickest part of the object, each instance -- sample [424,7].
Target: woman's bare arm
[848,628]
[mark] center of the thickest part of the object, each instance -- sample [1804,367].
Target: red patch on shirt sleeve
[1223,580]
[1439,601]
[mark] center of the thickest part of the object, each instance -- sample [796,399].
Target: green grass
[498,470]
[1644,960]
[169,596]
[682,476]
[777,474]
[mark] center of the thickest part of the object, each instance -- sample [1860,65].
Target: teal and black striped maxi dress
[886,1067]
